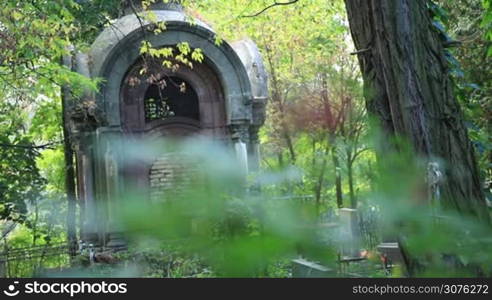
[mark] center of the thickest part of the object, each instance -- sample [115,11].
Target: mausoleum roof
[124,26]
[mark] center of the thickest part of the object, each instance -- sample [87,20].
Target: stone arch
[202,79]
[115,51]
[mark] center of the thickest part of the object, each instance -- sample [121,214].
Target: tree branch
[276,3]
[45,146]
[357,153]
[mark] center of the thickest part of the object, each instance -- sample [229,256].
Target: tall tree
[408,87]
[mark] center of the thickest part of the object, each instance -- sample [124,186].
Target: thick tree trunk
[409,89]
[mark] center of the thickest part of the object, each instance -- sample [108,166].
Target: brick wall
[170,174]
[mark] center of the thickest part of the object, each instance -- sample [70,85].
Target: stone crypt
[224,100]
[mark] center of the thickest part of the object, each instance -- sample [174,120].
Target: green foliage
[438,241]
[20,181]
[474,87]
[316,137]
[35,35]
[316,94]
[15,187]
[236,234]
[487,22]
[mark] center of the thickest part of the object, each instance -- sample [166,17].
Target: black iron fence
[28,261]
[369,227]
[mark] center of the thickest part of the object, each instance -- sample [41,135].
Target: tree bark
[69,170]
[338,177]
[320,183]
[350,177]
[70,191]
[409,89]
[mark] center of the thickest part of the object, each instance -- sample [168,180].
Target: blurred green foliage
[316,139]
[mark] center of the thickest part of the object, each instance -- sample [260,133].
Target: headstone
[391,255]
[302,268]
[348,238]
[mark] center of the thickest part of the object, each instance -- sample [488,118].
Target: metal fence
[29,261]
[369,227]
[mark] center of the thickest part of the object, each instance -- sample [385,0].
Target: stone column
[254,149]
[83,122]
[85,154]
[240,140]
[348,230]
[115,230]
[80,191]
[109,188]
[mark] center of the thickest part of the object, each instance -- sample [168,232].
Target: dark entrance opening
[172,97]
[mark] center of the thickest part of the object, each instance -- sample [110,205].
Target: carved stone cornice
[240,132]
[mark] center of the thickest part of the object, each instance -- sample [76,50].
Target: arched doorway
[169,105]
[161,101]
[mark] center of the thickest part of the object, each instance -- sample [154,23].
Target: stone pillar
[80,191]
[241,155]
[348,230]
[254,149]
[109,189]
[83,122]
[115,232]
[240,140]
[85,155]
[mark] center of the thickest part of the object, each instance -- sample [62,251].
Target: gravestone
[302,268]
[391,255]
[348,238]
[222,98]
[344,237]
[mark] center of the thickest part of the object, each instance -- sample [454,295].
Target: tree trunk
[350,178]
[320,183]
[70,190]
[69,171]
[338,177]
[408,88]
